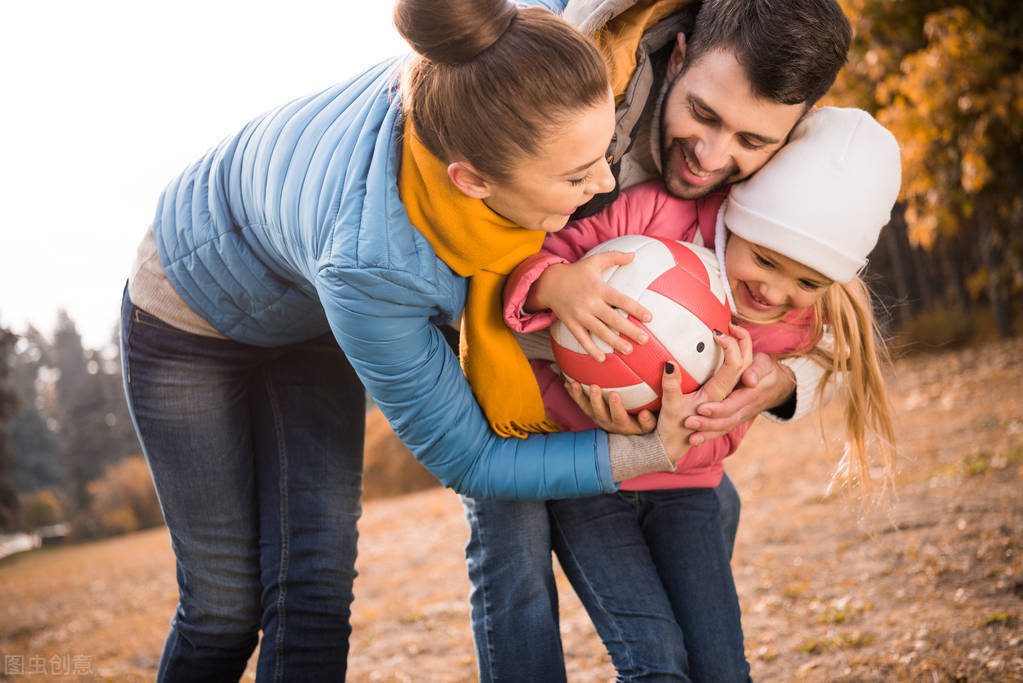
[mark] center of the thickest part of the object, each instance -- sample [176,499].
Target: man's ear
[468,180]
[678,57]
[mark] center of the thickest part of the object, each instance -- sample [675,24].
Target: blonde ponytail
[857,359]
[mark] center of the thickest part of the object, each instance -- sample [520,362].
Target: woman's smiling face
[767,285]
[546,188]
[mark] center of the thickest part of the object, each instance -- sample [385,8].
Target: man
[710,111]
[707,93]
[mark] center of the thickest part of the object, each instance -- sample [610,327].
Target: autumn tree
[947,79]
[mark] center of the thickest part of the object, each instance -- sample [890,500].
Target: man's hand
[765,384]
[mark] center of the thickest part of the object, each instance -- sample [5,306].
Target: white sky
[104,101]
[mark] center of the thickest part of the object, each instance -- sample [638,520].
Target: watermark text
[54,665]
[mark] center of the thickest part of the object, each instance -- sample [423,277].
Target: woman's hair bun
[452,31]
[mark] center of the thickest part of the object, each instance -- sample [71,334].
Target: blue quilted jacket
[293,227]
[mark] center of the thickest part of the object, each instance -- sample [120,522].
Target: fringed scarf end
[521,430]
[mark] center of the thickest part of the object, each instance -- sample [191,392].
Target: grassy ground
[927,588]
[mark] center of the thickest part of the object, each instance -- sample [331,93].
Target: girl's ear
[678,57]
[468,180]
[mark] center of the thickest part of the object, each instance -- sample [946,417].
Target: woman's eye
[762,261]
[579,181]
[809,286]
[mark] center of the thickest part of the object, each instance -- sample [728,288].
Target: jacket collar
[589,15]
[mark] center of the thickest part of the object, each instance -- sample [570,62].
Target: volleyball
[680,284]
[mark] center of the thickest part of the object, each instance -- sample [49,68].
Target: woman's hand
[676,407]
[577,294]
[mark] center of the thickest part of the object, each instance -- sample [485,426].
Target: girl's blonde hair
[857,358]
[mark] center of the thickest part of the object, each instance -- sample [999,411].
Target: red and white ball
[680,285]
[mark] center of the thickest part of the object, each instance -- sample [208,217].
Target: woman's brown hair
[490,80]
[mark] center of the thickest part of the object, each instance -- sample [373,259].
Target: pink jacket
[645,209]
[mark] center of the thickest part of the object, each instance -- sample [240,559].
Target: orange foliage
[947,79]
[123,500]
[390,469]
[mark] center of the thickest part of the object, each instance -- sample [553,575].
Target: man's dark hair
[791,50]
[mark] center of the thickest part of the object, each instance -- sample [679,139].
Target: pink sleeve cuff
[516,289]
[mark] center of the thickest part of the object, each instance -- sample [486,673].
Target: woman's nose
[603,180]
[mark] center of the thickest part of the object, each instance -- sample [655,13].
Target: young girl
[650,562]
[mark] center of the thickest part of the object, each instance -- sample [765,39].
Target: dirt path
[933,590]
[928,589]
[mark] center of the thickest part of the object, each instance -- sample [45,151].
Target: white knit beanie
[824,197]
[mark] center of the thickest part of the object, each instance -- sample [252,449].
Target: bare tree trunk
[991,255]
[914,279]
[924,282]
[898,271]
[953,272]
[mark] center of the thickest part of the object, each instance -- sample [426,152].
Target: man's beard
[674,156]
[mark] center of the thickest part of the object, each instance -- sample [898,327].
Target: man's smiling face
[715,130]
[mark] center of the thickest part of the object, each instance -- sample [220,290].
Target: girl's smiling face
[767,285]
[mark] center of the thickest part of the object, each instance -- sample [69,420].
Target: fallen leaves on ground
[925,586]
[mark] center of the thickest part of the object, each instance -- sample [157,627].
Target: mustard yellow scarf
[479,244]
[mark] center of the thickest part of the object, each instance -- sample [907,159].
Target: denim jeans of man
[256,454]
[514,600]
[652,570]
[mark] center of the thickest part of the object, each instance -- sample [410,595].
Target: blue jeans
[731,507]
[514,602]
[652,570]
[256,454]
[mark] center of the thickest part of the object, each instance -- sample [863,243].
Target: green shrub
[122,501]
[943,330]
[39,509]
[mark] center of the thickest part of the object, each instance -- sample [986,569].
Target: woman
[329,215]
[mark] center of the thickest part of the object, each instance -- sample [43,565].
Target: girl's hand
[610,415]
[738,351]
[577,294]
